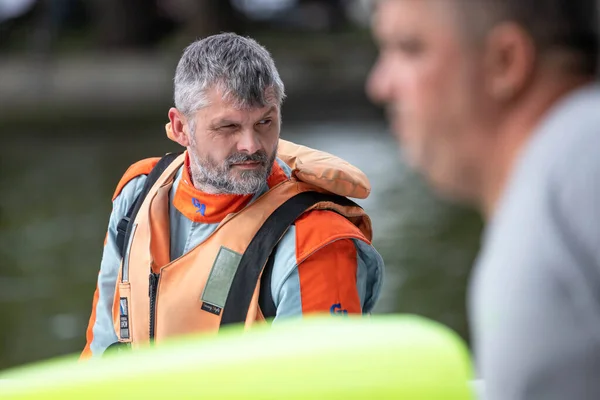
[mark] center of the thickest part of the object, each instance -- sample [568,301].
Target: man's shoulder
[316,228]
[562,152]
[142,167]
[569,133]
[546,209]
[326,222]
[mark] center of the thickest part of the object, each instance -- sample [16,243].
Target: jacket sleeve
[328,280]
[100,331]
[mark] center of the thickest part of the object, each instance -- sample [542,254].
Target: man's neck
[516,129]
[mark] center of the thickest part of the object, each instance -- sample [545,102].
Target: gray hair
[239,66]
[569,26]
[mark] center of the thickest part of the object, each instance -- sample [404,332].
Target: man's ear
[179,127]
[509,61]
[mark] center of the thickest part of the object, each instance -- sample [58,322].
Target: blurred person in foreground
[234,229]
[495,102]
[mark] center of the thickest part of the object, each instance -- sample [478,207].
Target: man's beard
[210,177]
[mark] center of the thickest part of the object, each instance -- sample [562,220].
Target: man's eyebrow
[269,111]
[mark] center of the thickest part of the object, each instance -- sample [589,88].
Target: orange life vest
[190,291]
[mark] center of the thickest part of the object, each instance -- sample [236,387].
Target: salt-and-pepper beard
[219,179]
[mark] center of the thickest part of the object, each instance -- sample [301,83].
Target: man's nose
[379,86]
[248,142]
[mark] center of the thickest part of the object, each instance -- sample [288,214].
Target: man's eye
[230,126]
[264,122]
[410,46]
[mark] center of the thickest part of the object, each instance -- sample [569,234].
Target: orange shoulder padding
[324,170]
[317,228]
[142,167]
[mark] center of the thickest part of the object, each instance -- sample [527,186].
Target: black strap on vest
[265,297]
[261,247]
[126,224]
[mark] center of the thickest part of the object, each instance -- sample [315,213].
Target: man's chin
[248,179]
[248,172]
[450,190]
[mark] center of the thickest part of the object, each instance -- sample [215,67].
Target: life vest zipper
[152,292]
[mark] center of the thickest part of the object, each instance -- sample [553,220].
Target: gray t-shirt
[534,299]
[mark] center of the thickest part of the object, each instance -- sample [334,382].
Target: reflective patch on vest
[219,281]
[124,318]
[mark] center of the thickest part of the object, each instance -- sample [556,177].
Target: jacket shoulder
[142,167]
[318,228]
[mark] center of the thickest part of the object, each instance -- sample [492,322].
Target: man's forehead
[394,16]
[222,98]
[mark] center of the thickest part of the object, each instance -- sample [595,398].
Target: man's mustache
[260,156]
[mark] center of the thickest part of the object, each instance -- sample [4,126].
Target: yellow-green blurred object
[381,357]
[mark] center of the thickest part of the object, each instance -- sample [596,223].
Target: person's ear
[179,127]
[509,61]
